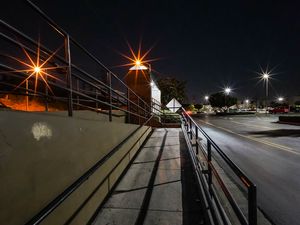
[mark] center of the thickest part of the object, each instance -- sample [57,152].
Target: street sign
[173,105]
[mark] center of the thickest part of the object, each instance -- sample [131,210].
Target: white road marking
[281,147]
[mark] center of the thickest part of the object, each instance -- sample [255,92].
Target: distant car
[279,110]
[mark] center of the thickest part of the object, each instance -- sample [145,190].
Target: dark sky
[210,44]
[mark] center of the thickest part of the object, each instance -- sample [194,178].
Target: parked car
[279,110]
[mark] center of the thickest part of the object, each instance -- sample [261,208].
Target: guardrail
[100,90]
[205,176]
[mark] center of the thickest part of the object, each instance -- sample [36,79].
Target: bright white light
[206,97]
[247,101]
[280,99]
[266,76]
[227,90]
[37,69]
[152,83]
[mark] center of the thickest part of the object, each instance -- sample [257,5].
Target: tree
[190,107]
[198,106]
[297,103]
[171,88]
[221,100]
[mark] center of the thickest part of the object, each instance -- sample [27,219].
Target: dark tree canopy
[171,88]
[221,100]
[297,102]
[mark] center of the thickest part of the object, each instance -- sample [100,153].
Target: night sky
[210,44]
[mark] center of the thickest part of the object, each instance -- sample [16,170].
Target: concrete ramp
[158,188]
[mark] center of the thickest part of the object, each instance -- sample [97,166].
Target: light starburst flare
[139,60]
[36,69]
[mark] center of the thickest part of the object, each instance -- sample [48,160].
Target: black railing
[206,174]
[100,90]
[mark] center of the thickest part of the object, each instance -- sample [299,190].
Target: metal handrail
[193,130]
[138,108]
[64,33]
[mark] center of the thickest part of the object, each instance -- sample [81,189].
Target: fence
[52,77]
[214,157]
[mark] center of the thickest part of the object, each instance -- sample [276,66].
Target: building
[142,82]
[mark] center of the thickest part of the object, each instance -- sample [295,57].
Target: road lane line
[250,125]
[281,147]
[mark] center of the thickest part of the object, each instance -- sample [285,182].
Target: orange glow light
[138,62]
[36,69]
[137,59]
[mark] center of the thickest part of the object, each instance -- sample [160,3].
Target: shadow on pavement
[193,209]
[278,133]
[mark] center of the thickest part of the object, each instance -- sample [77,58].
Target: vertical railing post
[77,97]
[191,129]
[197,147]
[97,104]
[185,121]
[128,105]
[138,110]
[209,166]
[46,93]
[69,74]
[252,205]
[27,93]
[109,96]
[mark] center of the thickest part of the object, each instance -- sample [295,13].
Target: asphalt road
[269,153]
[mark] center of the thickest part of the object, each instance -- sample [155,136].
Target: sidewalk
[158,188]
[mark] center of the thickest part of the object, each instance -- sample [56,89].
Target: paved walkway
[158,188]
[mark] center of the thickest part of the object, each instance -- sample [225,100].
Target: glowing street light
[265,77]
[247,101]
[137,62]
[206,98]
[37,69]
[227,90]
[280,99]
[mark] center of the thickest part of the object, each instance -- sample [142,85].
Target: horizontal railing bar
[48,19]
[46,50]
[230,198]
[61,31]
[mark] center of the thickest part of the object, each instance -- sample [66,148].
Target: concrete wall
[41,154]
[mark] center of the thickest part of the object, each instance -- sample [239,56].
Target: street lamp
[266,77]
[139,63]
[227,90]
[280,99]
[247,104]
[206,98]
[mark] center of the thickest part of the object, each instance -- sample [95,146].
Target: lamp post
[247,103]
[266,76]
[206,98]
[226,91]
